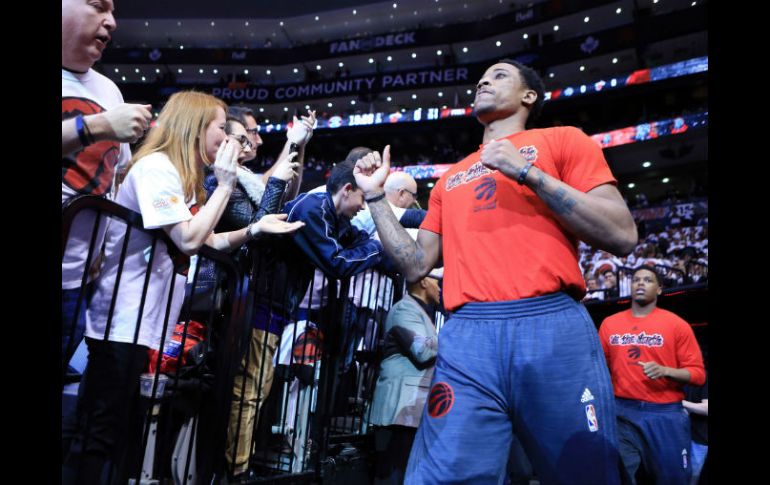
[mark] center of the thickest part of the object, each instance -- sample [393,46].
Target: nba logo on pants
[593,423]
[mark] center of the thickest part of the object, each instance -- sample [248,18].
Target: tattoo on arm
[558,201]
[399,245]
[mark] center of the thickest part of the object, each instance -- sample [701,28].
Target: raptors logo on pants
[440,400]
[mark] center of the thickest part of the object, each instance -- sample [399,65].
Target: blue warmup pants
[532,367]
[657,436]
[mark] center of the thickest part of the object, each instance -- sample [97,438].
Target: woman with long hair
[129,311]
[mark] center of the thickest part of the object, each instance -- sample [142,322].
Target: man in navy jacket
[328,239]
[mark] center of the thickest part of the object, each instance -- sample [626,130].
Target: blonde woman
[163,181]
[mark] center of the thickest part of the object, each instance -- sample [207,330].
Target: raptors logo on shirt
[89,170]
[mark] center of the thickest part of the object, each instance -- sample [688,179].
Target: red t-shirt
[662,337]
[500,240]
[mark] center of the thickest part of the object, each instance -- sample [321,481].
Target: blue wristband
[523,173]
[81,128]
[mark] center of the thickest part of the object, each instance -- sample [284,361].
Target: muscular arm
[414,259]
[599,217]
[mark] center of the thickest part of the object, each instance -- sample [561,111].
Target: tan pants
[255,391]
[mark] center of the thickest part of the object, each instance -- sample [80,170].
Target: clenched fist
[371,171]
[125,123]
[502,155]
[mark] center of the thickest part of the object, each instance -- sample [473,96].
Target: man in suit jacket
[405,373]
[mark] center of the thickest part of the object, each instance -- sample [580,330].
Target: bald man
[401,190]
[401,194]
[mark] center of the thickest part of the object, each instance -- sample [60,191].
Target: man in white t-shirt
[97,127]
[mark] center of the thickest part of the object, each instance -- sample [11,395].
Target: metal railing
[247,384]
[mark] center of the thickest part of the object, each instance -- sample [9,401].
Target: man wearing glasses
[401,194]
[401,190]
[248,120]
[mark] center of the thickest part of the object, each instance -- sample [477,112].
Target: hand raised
[371,171]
